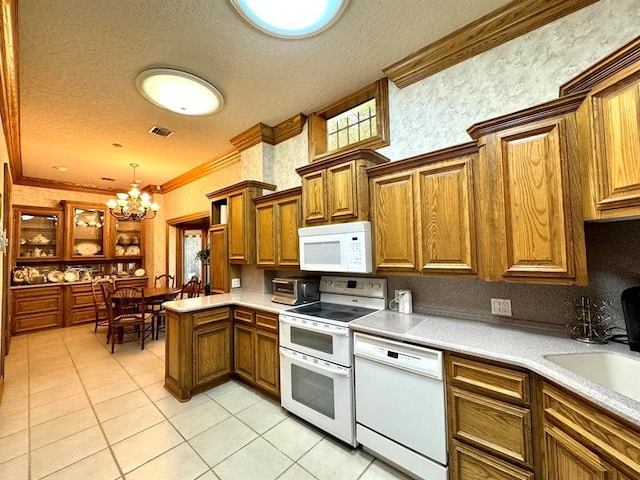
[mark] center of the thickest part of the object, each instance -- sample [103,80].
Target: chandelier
[134,205]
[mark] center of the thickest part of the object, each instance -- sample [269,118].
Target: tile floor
[71,410]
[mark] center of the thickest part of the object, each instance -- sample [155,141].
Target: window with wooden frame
[359,120]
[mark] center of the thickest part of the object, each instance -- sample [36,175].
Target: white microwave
[340,248]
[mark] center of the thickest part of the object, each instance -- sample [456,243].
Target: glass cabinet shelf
[39,233]
[128,238]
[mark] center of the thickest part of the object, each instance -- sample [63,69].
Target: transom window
[352,126]
[359,120]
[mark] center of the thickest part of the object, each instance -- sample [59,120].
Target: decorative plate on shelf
[132,250]
[19,276]
[71,276]
[39,240]
[55,276]
[119,250]
[139,272]
[87,249]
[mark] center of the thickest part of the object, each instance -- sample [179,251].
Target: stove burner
[333,311]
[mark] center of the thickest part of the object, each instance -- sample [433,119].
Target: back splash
[613,260]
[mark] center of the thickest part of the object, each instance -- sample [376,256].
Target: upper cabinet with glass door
[39,233]
[128,239]
[87,226]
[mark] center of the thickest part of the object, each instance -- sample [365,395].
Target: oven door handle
[322,369]
[326,330]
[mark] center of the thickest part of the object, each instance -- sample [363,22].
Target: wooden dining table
[150,295]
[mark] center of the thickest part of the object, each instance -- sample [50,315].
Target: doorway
[189,236]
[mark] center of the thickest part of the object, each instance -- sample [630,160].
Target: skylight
[290,18]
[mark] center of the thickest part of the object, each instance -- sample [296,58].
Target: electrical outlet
[235,283]
[501,306]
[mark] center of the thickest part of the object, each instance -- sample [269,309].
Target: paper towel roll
[223,214]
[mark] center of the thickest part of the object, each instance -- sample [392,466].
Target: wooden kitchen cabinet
[88,230]
[278,217]
[582,441]
[218,259]
[241,220]
[609,122]
[335,189]
[529,182]
[197,351]
[423,213]
[256,349]
[35,308]
[490,422]
[38,234]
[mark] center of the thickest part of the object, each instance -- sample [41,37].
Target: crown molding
[262,133]
[554,108]
[503,24]
[270,197]
[336,159]
[622,58]
[200,171]
[9,87]
[58,185]
[223,192]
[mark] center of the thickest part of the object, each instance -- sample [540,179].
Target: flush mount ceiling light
[290,18]
[179,92]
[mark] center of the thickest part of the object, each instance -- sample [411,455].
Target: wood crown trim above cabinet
[261,132]
[270,197]
[495,28]
[606,68]
[362,154]
[461,150]
[527,116]
[223,192]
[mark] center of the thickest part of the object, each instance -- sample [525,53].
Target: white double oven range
[316,352]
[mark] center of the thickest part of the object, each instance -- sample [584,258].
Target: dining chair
[98,287]
[191,289]
[155,307]
[126,308]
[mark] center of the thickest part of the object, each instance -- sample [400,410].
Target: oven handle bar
[326,330]
[313,366]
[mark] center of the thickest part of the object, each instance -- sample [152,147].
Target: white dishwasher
[400,405]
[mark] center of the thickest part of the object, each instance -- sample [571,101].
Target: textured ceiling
[78,61]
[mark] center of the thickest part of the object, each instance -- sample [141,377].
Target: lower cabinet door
[212,357]
[267,366]
[567,459]
[243,363]
[467,463]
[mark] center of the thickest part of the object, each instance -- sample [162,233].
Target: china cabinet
[87,228]
[57,252]
[38,233]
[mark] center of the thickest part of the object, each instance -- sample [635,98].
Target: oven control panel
[359,286]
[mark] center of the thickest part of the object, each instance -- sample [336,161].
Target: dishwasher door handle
[314,366]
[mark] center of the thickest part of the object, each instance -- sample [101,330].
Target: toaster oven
[295,290]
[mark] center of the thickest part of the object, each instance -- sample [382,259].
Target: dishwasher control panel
[421,360]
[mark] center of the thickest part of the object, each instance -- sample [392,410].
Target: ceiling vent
[108,179]
[160,131]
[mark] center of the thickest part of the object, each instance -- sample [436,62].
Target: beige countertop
[259,301]
[524,347]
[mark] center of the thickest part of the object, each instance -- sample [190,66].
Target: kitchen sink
[610,370]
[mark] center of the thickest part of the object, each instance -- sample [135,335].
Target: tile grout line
[84,388]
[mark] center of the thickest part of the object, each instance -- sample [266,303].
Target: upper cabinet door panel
[617,143]
[446,214]
[392,200]
[313,197]
[265,239]
[237,245]
[342,185]
[536,200]
[287,235]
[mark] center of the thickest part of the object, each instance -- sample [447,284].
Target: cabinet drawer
[245,315]
[467,463]
[80,315]
[80,299]
[497,382]
[616,440]
[267,320]
[27,305]
[209,316]
[25,323]
[497,426]
[35,292]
